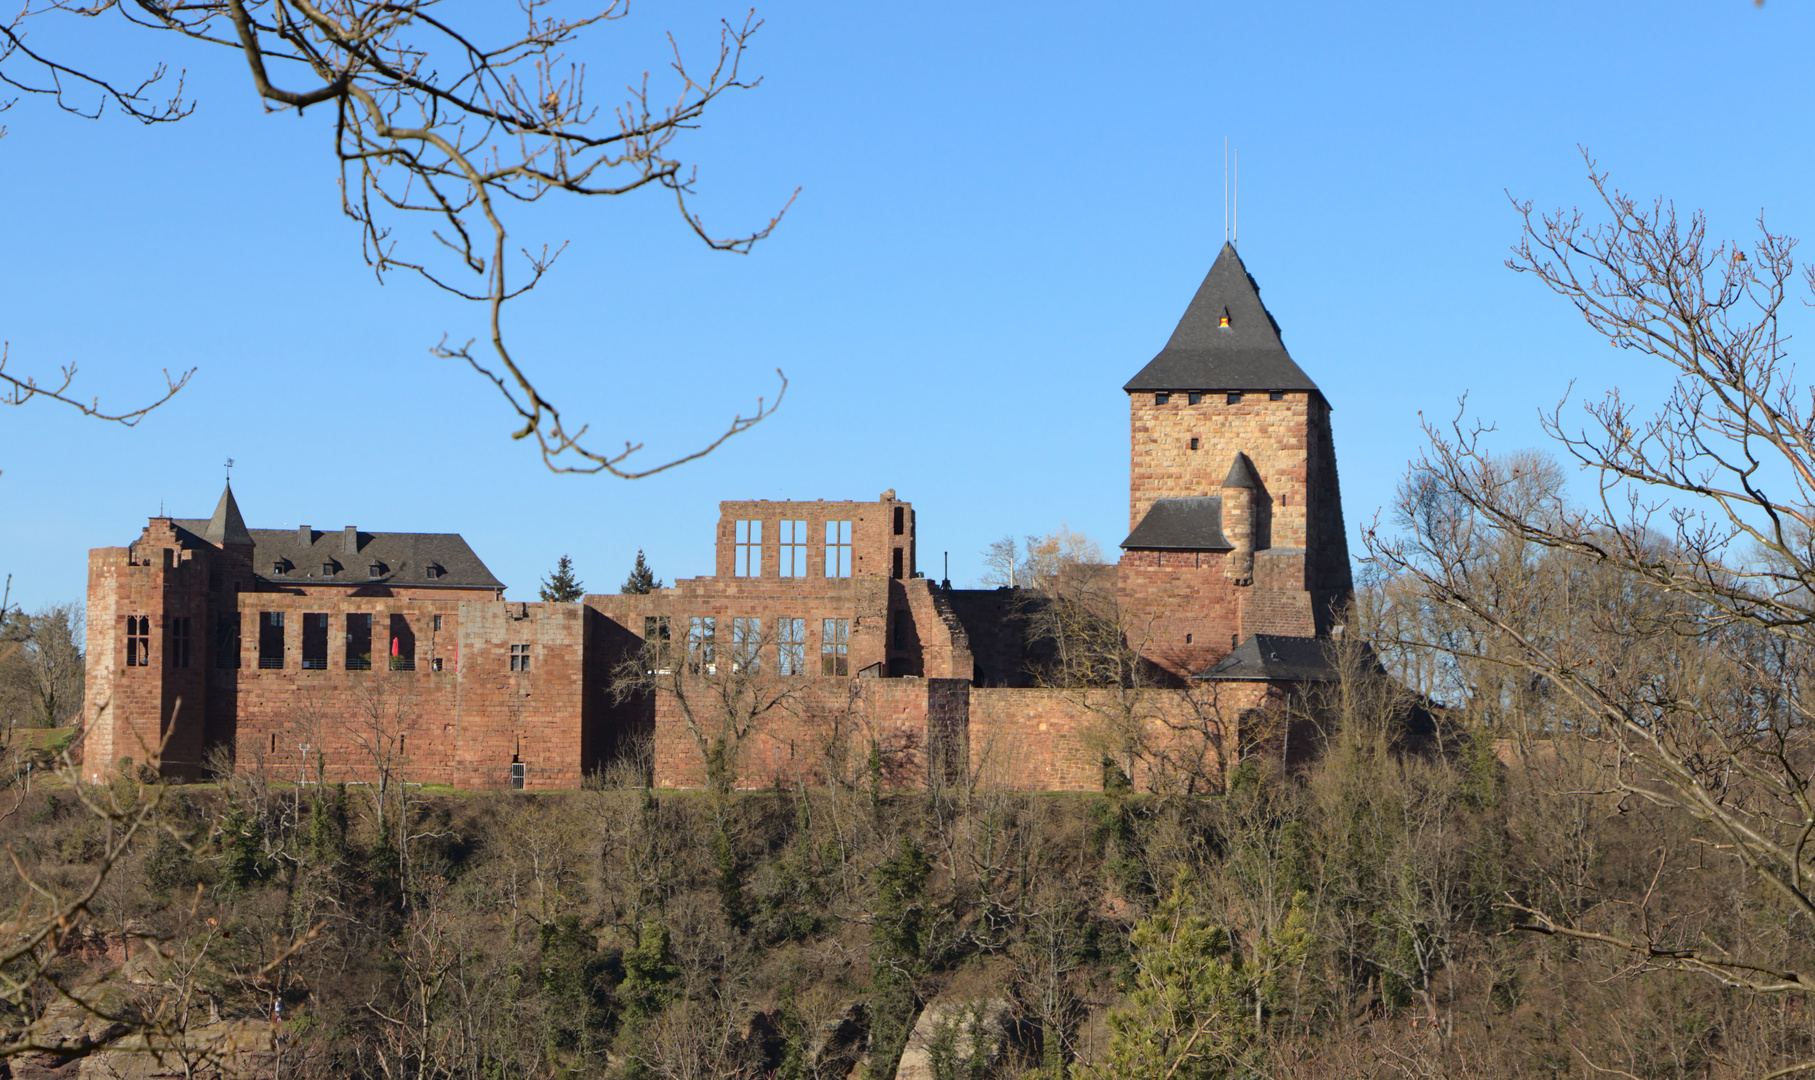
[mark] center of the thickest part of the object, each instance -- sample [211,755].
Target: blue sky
[1004,210]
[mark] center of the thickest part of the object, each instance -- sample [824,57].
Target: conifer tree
[561,587]
[641,579]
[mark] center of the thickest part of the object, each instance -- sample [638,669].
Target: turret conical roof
[1226,340]
[227,526]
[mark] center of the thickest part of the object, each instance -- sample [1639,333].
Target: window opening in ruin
[403,746]
[791,647]
[1234,398]
[702,644]
[359,641]
[747,560]
[315,641]
[519,657]
[792,554]
[226,641]
[271,639]
[835,647]
[436,625]
[900,520]
[1276,395]
[1187,639]
[838,549]
[746,645]
[274,742]
[656,642]
[138,641]
[403,644]
[1162,399]
[435,664]
[179,641]
[1194,442]
[517,770]
[897,565]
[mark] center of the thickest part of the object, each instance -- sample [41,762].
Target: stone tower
[1234,511]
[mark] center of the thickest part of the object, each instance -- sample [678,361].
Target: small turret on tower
[1241,510]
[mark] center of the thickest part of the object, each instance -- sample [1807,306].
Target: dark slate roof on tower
[1242,474]
[366,559]
[1205,354]
[1276,657]
[226,526]
[1181,525]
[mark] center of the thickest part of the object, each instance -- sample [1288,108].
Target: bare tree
[1691,664]
[41,664]
[448,117]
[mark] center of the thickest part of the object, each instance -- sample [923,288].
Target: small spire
[227,526]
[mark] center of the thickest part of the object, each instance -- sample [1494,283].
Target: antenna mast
[1235,189]
[1225,189]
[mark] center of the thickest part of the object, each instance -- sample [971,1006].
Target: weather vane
[230,470]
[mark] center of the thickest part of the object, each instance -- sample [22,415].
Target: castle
[344,655]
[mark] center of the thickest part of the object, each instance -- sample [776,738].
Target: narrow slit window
[792,552]
[900,520]
[898,566]
[838,549]
[1194,442]
[748,554]
[1223,320]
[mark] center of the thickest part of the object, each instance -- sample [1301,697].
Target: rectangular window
[656,642]
[517,771]
[1194,442]
[315,641]
[792,552]
[437,624]
[1233,398]
[226,641]
[900,520]
[702,645]
[791,646]
[835,647]
[519,657]
[897,567]
[1276,395]
[1195,398]
[271,639]
[746,644]
[359,641]
[747,559]
[138,641]
[838,549]
[327,569]
[179,641]
[376,570]
[403,644]
[435,664]
[1162,399]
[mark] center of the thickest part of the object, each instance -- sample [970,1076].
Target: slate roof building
[353,653]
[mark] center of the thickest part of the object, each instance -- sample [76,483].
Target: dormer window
[1224,321]
[278,568]
[431,571]
[327,569]
[375,570]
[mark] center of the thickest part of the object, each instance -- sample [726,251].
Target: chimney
[349,542]
[305,536]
